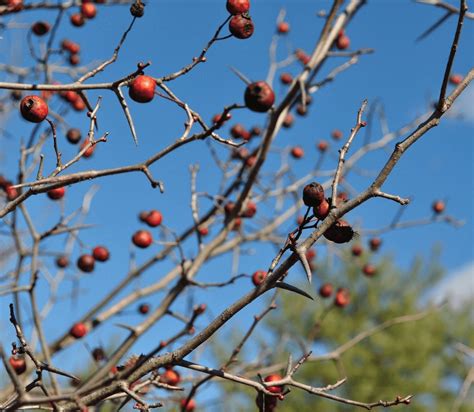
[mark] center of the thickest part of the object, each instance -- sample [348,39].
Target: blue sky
[402,74]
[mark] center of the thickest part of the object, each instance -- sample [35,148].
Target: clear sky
[403,75]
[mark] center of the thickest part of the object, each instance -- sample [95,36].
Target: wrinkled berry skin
[241,26]
[259,97]
[33,108]
[313,194]
[339,232]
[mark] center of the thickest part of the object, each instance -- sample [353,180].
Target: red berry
[13,5]
[250,209]
[77,19]
[203,230]
[73,136]
[199,310]
[88,10]
[70,46]
[255,131]
[144,308]
[343,42]
[369,270]
[142,239]
[302,56]
[455,79]
[238,6]
[78,105]
[56,194]
[188,406]
[74,59]
[339,232]
[170,377]
[250,161]
[78,330]
[89,151]
[237,223]
[62,262]
[322,146]
[258,277]
[238,131]
[326,290]
[142,89]
[283,27]
[336,134]
[40,28]
[259,97]
[438,207]
[342,297]
[12,192]
[297,152]
[33,108]
[273,378]
[322,210]
[101,253]
[154,218]
[70,96]
[286,78]
[86,263]
[375,243]
[288,121]
[241,26]
[310,254]
[18,364]
[357,250]
[217,119]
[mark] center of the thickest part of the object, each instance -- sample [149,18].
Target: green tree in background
[391,339]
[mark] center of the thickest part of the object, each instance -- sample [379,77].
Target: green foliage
[415,357]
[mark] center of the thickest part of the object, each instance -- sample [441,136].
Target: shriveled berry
[33,108]
[288,121]
[259,97]
[241,26]
[250,209]
[313,194]
[339,232]
[98,354]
